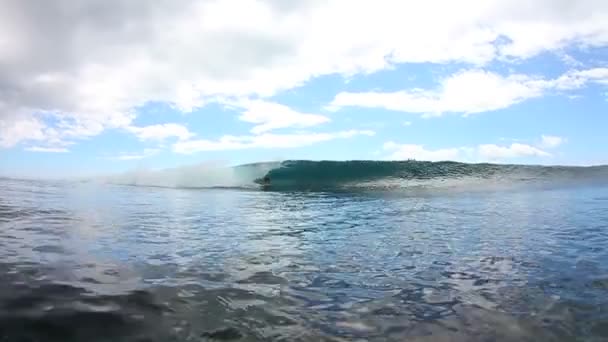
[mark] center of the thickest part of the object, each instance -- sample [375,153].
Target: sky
[105,86]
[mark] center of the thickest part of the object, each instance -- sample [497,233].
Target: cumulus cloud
[270,116]
[479,153]
[515,150]
[70,70]
[419,152]
[578,78]
[47,149]
[266,140]
[146,153]
[551,141]
[161,132]
[13,129]
[468,92]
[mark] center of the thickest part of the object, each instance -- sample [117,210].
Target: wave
[207,175]
[335,175]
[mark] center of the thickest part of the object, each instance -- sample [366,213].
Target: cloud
[407,123]
[72,70]
[578,78]
[551,141]
[266,140]
[419,152]
[479,153]
[161,132]
[515,150]
[13,129]
[47,149]
[571,61]
[468,92]
[148,152]
[270,116]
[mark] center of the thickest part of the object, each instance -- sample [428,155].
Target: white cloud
[571,61]
[419,152]
[515,150]
[266,140]
[479,153]
[14,129]
[270,116]
[551,141]
[117,55]
[468,92]
[47,149]
[407,123]
[161,132]
[148,152]
[577,78]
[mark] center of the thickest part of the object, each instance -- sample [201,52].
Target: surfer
[266,180]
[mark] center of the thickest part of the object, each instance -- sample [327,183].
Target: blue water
[87,261]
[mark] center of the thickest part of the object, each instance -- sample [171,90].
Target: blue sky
[123,86]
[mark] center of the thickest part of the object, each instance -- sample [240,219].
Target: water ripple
[149,264]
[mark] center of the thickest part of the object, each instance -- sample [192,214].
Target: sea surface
[326,252]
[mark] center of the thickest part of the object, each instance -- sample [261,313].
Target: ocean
[322,251]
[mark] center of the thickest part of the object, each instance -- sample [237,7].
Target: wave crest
[333,175]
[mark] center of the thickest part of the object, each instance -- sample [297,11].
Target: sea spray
[205,175]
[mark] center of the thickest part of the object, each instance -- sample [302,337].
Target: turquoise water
[460,253]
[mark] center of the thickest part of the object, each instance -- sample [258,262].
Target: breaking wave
[335,175]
